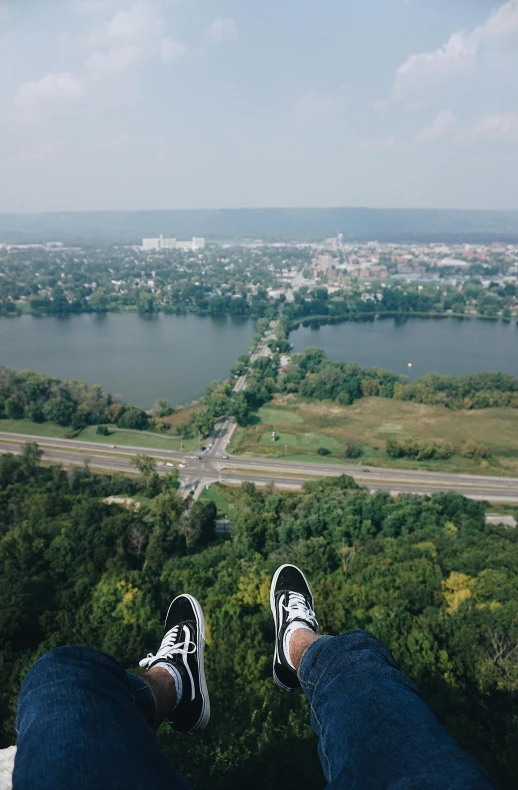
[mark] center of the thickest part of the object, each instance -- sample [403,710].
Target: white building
[191,246]
[159,244]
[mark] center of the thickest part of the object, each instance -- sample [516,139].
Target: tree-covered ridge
[41,398]
[359,299]
[424,574]
[312,375]
[271,224]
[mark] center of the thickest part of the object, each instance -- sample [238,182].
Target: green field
[302,427]
[222,496]
[118,436]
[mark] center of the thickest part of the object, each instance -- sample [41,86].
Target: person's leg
[84,723]
[374,730]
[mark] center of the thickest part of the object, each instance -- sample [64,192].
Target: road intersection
[234,470]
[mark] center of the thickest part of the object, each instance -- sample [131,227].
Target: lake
[140,358]
[446,345]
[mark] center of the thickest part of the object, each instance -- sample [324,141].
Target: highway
[233,470]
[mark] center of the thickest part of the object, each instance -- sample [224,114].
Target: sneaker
[290,600]
[183,646]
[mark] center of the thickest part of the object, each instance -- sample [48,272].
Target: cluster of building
[159,244]
[380,261]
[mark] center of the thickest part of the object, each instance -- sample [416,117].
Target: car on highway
[160,463]
[181,466]
[224,457]
[113,446]
[364,470]
[193,457]
[169,464]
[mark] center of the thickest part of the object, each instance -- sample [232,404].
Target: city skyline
[149,104]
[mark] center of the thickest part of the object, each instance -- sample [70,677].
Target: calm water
[137,357]
[144,358]
[446,345]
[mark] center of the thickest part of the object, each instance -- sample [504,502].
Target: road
[212,467]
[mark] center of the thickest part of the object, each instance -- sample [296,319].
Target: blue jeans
[85,723]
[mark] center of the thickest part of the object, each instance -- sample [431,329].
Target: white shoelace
[297,607]
[169,648]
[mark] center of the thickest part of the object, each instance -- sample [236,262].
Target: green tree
[146,466]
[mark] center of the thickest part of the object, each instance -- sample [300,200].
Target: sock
[176,677]
[287,637]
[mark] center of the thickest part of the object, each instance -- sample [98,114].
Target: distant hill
[275,224]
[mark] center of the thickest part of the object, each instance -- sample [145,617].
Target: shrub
[474,450]
[323,451]
[133,418]
[352,449]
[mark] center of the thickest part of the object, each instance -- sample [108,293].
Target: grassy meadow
[118,436]
[302,427]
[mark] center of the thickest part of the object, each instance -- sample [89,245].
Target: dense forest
[41,398]
[312,375]
[424,574]
[363,300]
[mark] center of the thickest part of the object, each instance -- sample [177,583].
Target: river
[445,345]
[140,358]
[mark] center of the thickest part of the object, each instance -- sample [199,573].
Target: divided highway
[212,467]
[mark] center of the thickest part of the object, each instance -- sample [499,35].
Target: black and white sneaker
[183,646]
[291,601]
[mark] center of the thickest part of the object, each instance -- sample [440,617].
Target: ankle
[163,689]
[300,640]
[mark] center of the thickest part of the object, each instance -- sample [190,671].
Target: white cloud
[59,86]
[171,50]
[4,11]
[138,21]
[443,123]
[223,30]
[459,56]
[498,125]
[311,108]
[128,36]
[503,23]
[112,60]
[384,144]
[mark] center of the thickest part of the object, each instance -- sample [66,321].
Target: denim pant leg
[84,723]
[374,730]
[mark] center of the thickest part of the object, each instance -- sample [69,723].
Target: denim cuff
[330,654]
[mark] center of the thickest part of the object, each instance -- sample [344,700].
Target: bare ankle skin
[300,640]
[163,689]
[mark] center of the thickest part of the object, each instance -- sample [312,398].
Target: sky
[167,104]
